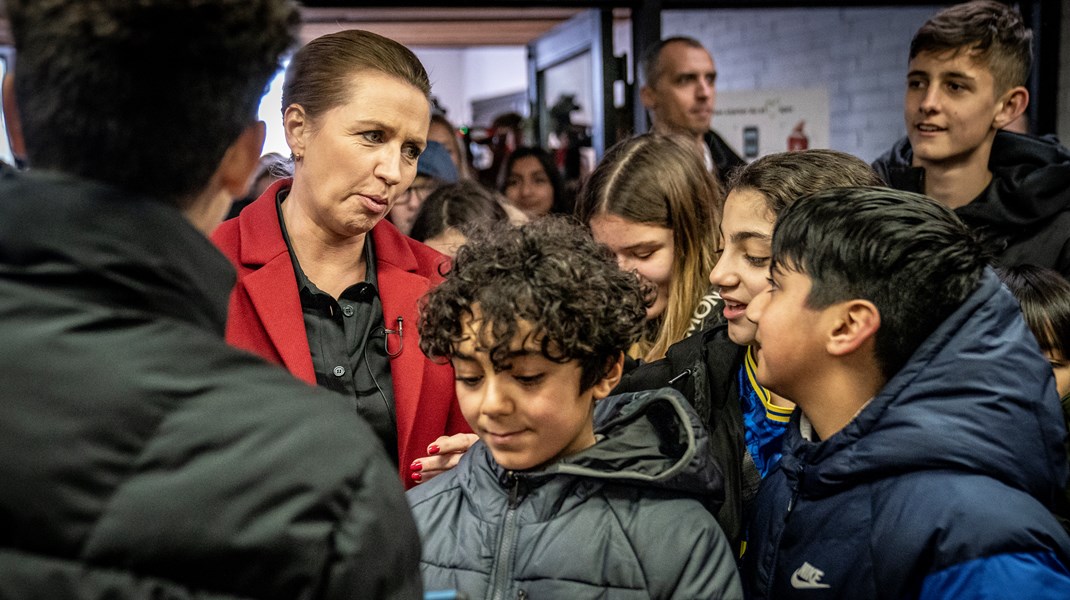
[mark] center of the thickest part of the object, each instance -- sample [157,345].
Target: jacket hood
[100,244]
[1031,180]
[650,439]
[977,397]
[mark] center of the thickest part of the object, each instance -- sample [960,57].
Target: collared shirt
[348,340]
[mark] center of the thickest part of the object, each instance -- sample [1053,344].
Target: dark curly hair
[553,275]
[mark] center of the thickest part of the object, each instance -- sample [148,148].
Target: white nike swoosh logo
[799,583]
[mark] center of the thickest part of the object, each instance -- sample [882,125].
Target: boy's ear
[241,159]
[605,385]
[230,180]
[857,322]
[1011,105]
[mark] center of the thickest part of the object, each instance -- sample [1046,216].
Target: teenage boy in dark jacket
[968,66]
[927,448]
[142,456]
[567,494]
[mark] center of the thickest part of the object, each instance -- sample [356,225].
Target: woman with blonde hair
[653,203]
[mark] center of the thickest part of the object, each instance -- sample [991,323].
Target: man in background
[678,89]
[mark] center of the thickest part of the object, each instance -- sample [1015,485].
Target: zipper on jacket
[783,527]
[795,490]
[503,563]
[681,375]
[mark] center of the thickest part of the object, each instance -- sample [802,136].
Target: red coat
[266,318]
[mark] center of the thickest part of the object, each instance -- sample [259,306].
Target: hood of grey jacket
[651,439]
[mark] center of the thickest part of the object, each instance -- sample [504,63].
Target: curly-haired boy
[566,495]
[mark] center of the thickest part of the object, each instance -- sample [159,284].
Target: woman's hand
[443,454]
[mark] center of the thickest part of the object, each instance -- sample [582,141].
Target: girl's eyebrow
[742,236]
[641,244]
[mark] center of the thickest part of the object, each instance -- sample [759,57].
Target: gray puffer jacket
[629,517]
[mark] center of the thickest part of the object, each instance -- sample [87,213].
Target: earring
[297,157]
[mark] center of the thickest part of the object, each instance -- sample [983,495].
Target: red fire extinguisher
[798,140]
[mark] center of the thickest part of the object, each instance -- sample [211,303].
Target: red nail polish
[416,476]
[432,449]
[415,466]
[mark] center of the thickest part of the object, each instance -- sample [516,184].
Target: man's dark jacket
[141,456]
[724,158]
[1023,216]
[940,487]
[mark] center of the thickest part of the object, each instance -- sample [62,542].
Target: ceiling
[449,27]
[428,26]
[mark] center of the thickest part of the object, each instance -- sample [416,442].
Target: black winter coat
[704,367]
[141,456]
[1023,217]
[622,519]
[724,158]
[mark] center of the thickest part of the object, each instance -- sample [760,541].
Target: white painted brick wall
[860,54]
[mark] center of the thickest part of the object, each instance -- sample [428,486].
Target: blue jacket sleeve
[1034,575]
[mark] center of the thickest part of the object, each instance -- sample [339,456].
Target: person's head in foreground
[165,463]
[1045,298]
[535,321]
[652,202]
[102,89]
[758,193]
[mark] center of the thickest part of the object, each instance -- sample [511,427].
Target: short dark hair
[550,273]
[562,203]
[896,249]
[989,30]
[784,177]
[1045,300]
[462,205]
[146,95]
[650,62]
